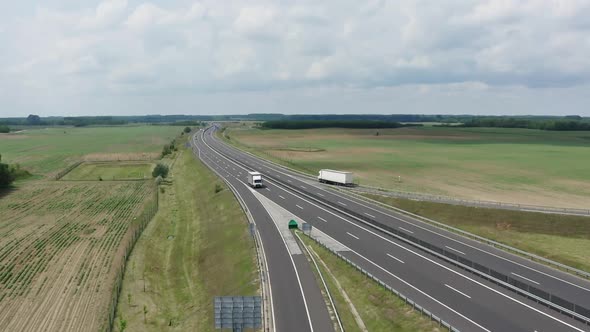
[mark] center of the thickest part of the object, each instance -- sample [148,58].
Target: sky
[134,57]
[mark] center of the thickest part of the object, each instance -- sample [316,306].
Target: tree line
[502,122]
[309,124]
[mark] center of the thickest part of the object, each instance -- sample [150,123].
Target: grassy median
[562,238]
[377,308]
[197,247]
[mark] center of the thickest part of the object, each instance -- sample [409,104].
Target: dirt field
[60,246]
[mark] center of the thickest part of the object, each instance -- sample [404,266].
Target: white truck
[335,177]
[255,179]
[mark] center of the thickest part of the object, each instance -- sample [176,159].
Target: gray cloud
[78,57]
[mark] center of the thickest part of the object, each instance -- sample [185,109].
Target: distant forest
[565,124]
[275,120]
[309,124]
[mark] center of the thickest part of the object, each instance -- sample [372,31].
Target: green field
[110,171]
[509,165]
[45,151]
[562,238]
[197,247]
[378,308]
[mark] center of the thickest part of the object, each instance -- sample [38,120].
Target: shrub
[160,170]
[166,150]
[187,129]
[218,188]
[6,174]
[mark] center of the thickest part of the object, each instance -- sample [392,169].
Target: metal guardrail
[571,309]
[469,202]
[437,198]
[328,292]
[263,268]
[404,298]
[481,239]
[561,305]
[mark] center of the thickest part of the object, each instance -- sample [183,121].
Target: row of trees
[561,125]
[81,121]
[309,124]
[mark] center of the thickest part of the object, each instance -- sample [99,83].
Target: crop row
[20,262]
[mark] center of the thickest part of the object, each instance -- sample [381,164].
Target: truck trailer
[335,177]
[255,179]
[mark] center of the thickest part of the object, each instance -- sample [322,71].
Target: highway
[399,258]
[296,300]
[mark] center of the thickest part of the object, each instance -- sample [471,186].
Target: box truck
[335,177]
[255,179]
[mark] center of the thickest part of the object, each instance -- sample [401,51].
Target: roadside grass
[379,309]
[197,247]
[45,151]
[562,238]
[110,171]
[517,165]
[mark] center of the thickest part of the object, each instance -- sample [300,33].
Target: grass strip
[378,308]
[562,238]
[197,247]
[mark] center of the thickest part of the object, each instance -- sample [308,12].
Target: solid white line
[468,245]
[453,249]
[354,236]
[322,219]
[370,215]
[341,203]
[296,272]
[406,230]
[267,189]
[299,206]
[438,264]
[281,197]
[397,259]
[518,275]
[458,291]
[425,294]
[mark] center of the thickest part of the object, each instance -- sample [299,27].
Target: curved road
[466,301]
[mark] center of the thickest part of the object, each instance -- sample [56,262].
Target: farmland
[110,171]
[46,151]
[514,165]
[63,244]
[61,247]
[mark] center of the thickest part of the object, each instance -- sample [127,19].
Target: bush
[187,130]
[7,175]
[160,170]
[218,188]
[4,129]
[166,150]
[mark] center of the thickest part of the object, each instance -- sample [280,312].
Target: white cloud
[120,49]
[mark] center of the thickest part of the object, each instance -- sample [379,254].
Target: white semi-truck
[255,179]
[335,177]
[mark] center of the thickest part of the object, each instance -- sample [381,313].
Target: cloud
[122,49]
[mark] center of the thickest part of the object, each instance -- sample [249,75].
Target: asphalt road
[463,299]
[297,303]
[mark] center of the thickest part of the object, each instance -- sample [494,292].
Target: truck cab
[255,179]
